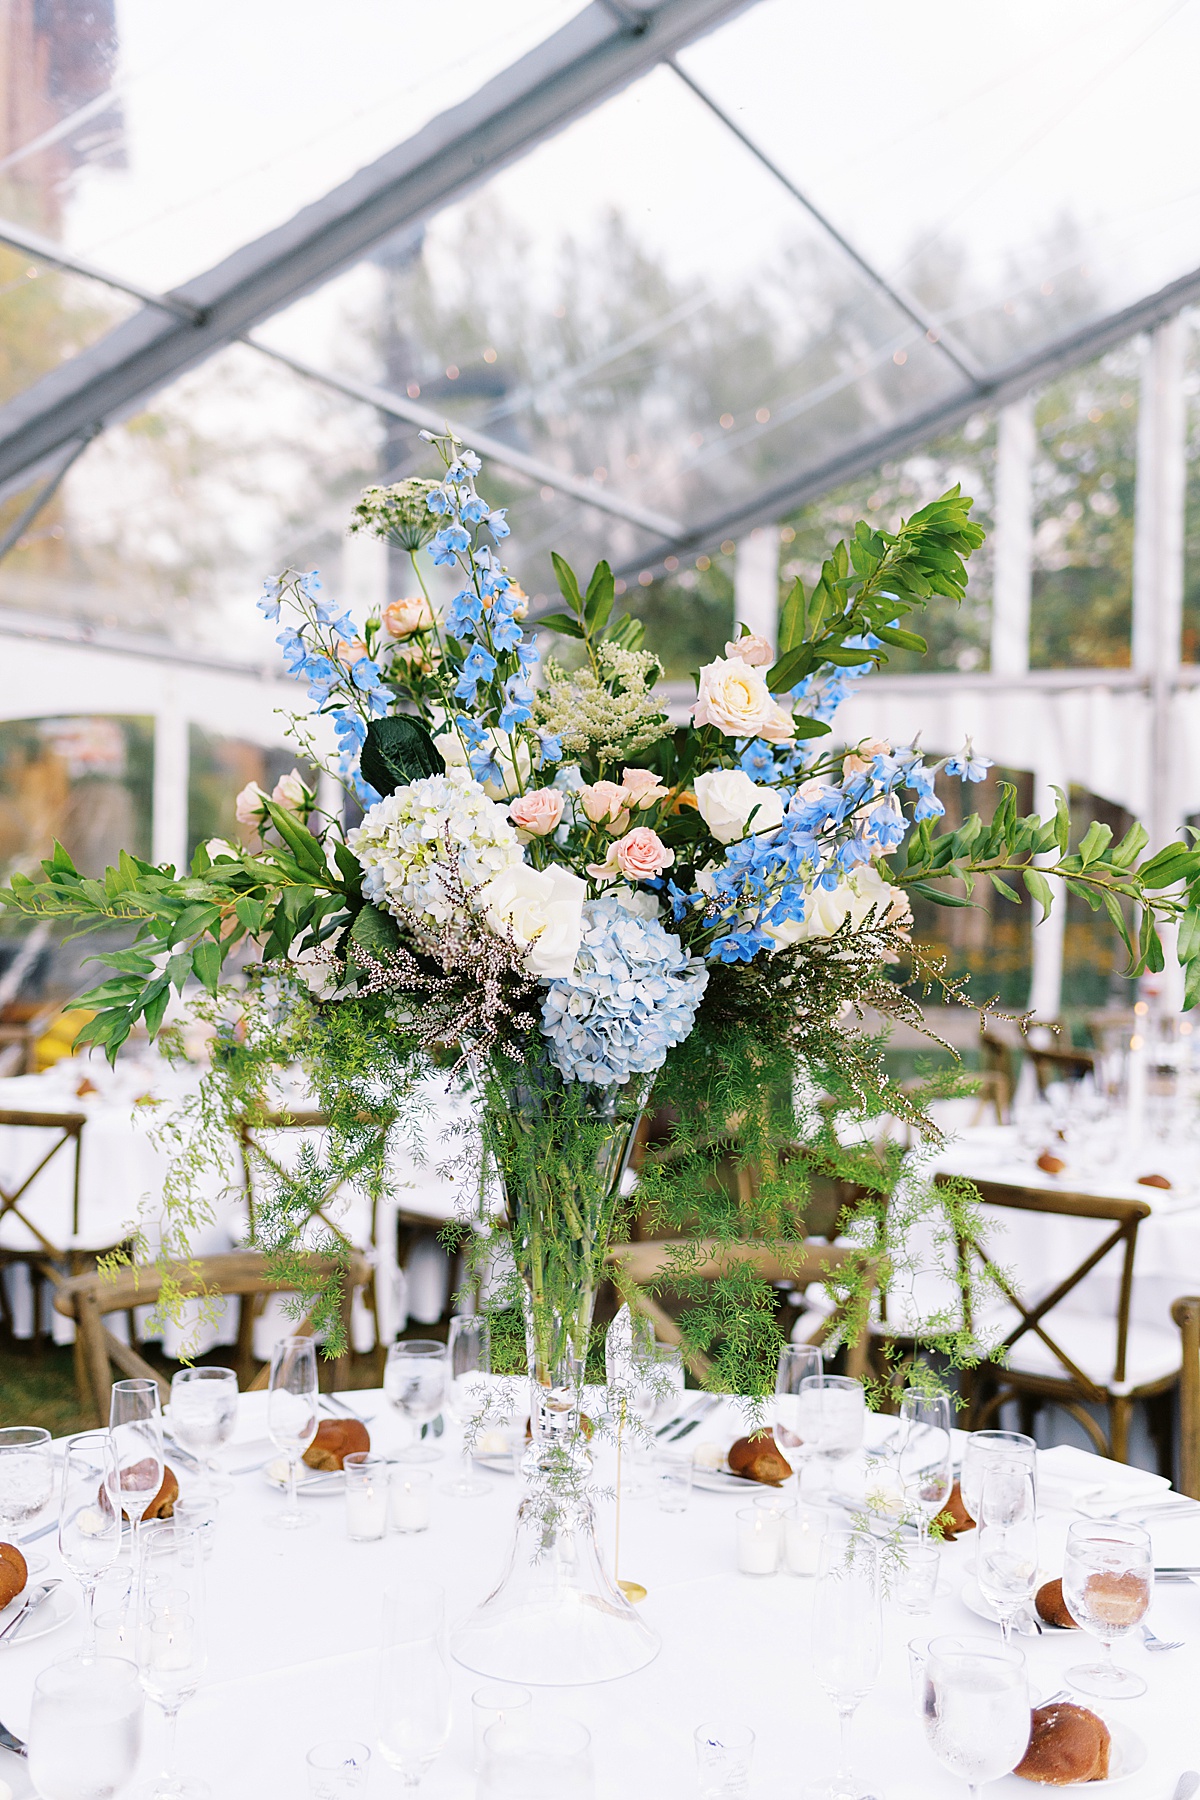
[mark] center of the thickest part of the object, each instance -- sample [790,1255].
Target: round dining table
[295,1624]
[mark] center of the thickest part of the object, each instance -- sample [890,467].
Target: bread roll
[163,1504]
[758,1459]
[1052,1608]
[336,1439]
[14,1573]
[955,1517]
[1066,1743]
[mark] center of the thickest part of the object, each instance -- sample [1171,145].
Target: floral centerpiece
[569,903]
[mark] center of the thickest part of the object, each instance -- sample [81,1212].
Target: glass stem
[293,1505]
[845,1772]
[172,1717]
[89,1618]
[922,1528]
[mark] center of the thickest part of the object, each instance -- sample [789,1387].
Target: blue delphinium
[633,993]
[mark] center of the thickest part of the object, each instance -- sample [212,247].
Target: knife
[182,1456]
[701,1415]
[679,1418]
[1186,1786]
[32,1601]
[10,1741]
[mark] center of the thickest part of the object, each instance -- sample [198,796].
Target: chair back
[1057,1064]
[1186,1314]
[69,1129]
[256,1155]
[89,1299]
[1034,1317]
[635,1267]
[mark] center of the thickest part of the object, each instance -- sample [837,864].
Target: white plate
[721,1481]
[1126,1757]
[312,1483]
[54,1611]
[975,1603]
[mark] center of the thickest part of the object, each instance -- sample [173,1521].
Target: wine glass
[413,1698]
[204,1404]
[85,1727]
[292,1416]
[831,1416]
[89,1523]
[171,1640]
[1006,1550]
[26,1482]
[925,1455]
[136,1423]
[797,1362]
[469,1356]
[985,1447]
[847,1638]
[1108,1576]
[414,1380]
[976,1708]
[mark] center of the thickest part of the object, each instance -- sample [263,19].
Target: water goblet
[1006,1551]
[292,1416]
[469,1357]
[985,1447]
[204,1404]
[1108,1578]
[976,1708]
[413,1698]
[172,1640]
[797,1362]
[414,1380]
[26,1483]
[831,1417]
[924,1457]
[136,1423]
[85,1727]
[847,1639]
[89,1524]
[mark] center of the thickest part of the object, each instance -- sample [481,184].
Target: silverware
[252,1468]
[10,1741]
[1186,1786]
[338,1405]
[1156,1643]
[31,1537]
[1028,1623]
[1176,1569]
[679,1418]
[182,1456]
[702,1412]
[33,1600]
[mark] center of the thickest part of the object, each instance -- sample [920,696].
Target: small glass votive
[916,1579]
[116,1633]
[673,1480]
[198,1515]
[759,1540]
[494,1704]
[366,1496]
[549,1761]
[804,1525]
[338,1768]
[411,1502]
[773,1500]
[723,1757]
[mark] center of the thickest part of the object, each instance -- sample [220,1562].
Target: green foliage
[398,750]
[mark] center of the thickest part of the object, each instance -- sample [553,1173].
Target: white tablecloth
[295,1623]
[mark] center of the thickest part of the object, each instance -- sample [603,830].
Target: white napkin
[1074,1480]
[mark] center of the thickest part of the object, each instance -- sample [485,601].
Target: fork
[1156,1643]
[10,1741]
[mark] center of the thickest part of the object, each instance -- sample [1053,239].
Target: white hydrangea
[402,840]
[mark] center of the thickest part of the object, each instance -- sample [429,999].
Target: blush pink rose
[402,617]
[248,807]
[354,651]
[606,803]
[291,792]
[538,813]
[753,650]
[641,854]
[642,788]
[864,754]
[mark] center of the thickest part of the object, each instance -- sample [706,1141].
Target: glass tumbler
[723,1757]
[85,1727]
[547,1761]
[337,1769]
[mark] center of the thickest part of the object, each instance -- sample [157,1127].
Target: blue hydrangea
[632,994]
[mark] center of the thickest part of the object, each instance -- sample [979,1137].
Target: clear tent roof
[696,259]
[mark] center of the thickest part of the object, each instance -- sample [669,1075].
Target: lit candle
[759,1538]
[366,1496]
[410,1503]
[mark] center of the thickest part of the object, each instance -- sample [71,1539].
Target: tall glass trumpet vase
[556,1617]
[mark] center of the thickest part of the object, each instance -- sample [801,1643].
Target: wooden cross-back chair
[635,1266]
[1059,1063]
[89,1299]
[48,1260]
[1186,1314]
[1050,1352]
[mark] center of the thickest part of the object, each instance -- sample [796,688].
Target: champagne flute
[292,1416]
[85,1727]
[171,1639]
[796,1363]
[1108,1577]
[1006,1551]
[414,1380]
[847,1639]
[469,1356]
[976,1708]
[985,1447]
[136,1423]
[413,1697]
[26,1483]
[89,1523]
[204,1403]
[925,1456]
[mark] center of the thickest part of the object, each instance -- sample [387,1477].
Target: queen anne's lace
[402,840]
[633,993]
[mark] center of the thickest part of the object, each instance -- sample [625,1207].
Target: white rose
[221,847]
[727,797]
[513,779]
[854,898]
[291,792]
[736,699]
[544,908]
